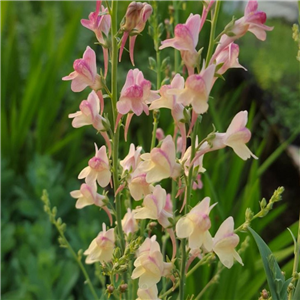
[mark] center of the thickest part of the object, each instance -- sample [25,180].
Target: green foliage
[33,106]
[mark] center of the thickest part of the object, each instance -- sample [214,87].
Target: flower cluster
[143,175]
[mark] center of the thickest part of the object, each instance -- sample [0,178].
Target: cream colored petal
[184,227]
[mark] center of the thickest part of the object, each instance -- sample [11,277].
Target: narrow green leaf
[296,295]
[274,276]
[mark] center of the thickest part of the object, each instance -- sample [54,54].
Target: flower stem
[212,33]
[176,21]
[114,91]
[63,240]
[188,199]
[296,260]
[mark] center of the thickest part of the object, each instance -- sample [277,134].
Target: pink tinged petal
[89,58]
[193,24]
[102,154]
[238,122]
[251,7]
[184,227]
[71,76]
[226,228]
[78,84]
[177,82]
[131,48]
[87,24]
[168,148]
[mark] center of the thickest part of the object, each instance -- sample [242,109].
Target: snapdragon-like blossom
[100,25]
[229,58]
[87,195]
[195,226]
[98,168]
[185,40]
[131,161]
[85,73]
[224,243]
[154,207]
[89,112]
[102,247]
[236,137]
[135,94]
[149,265]
[148,294]
[253,21]
[138,186]
[129,223]
[136,17]
[161,162]
[170,101]
[196,90]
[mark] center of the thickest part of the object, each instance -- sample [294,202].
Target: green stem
[204,260]
[296,260]
[78,260]
[114,93]
[188,200]
[212,33]
[210,283]
[176,21]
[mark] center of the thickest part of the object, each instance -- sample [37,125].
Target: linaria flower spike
[85,73]
[224,243]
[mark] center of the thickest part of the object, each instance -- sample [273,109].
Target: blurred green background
[40,149]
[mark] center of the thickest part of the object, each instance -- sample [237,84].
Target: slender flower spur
[136,17]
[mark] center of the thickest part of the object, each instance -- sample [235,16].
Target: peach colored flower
[129,224]
[195,226]
[161,162]
[224,243]
[154,207]
[102,247]
[85,73]
[149,265]
[98,168]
